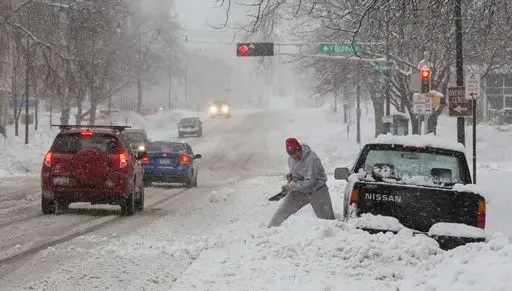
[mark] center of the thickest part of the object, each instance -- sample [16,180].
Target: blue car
[170,162]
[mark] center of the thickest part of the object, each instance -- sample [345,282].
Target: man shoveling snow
[307,184]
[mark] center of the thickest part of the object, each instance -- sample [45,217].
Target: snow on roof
[429,140]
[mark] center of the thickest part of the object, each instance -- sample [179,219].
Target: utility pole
[335,108]
[93,54]
[139,73]
[139,60]
[358,114]
[459,61]
[170,91]
[387,125]
[186,80]
[27,84]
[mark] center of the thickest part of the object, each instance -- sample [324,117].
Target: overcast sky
[198,14]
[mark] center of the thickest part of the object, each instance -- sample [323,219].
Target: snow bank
[308,254]
[480,266]
[18,158]
[429,140]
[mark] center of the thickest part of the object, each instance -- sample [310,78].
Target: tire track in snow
[91,225]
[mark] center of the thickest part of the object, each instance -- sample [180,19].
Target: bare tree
[397,31]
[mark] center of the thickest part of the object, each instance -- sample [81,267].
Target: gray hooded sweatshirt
[308,173]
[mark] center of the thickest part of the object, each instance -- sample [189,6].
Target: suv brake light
[48,159]
[145,160]
[480,220]
[184,159]
[123,159]
[86,133]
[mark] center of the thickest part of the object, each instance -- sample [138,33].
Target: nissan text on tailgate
[420,181]
[92,164]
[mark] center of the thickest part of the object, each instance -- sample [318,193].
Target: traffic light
[425,74]
[255,49]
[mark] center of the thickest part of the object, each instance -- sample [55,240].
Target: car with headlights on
[138,139]
[219,108]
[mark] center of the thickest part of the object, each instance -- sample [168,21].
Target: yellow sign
[436,99]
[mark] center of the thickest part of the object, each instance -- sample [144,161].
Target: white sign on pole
[421,104]
[472,84]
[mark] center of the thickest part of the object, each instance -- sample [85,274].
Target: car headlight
[141,148]
[213,109]
[225,109]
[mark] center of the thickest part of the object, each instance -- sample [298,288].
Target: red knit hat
[292,145]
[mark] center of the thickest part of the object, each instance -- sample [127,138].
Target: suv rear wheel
[128,205]
[48,206]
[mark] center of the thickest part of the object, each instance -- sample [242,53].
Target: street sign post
[340,48]
[421,104]
[458,105]
[472,83]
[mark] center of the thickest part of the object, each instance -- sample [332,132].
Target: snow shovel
[278,196]
[281,194]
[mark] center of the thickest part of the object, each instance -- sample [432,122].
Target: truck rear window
[413,167]
[73,143]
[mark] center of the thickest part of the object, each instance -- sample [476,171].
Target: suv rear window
[73,143]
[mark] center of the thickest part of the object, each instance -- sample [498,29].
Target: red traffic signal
[255,49]
[243,50]
[425,73]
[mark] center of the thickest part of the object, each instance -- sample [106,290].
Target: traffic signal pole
[459,62]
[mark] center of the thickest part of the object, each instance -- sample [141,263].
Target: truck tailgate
[417,207]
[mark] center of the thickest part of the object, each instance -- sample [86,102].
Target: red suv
[92,164]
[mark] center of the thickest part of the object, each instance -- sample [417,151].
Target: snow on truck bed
[429,140]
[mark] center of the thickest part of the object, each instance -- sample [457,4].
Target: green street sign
[340,48]
[382,67]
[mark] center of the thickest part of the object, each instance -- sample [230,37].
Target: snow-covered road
[233,150]
[214,237]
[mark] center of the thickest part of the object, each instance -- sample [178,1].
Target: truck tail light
[354,196]
[48,159]
[480,221]
[145,160]
[184,160]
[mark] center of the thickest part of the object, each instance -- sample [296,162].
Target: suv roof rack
[70,126]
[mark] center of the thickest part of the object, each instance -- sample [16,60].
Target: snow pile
[325,255]
[17,158]
[456,229]
[472,267]
[377,222]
